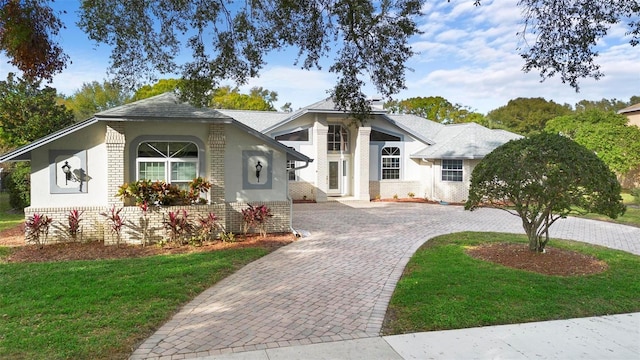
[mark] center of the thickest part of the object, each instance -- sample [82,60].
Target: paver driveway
[336,283]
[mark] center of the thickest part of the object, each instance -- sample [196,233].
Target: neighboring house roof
[164,107]
[632,108]
[464,141]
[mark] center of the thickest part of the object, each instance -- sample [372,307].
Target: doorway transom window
[338,138]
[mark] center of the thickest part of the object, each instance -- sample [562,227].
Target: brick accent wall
[96,227]
[299,189]
[388,188]
[115,141]
[91,225]
[217,143]
[280,222]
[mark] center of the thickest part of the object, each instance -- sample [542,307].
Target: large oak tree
[368,40]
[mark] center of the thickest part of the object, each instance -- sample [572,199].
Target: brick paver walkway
[336,283]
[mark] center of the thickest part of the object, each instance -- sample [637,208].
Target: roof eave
[23,153]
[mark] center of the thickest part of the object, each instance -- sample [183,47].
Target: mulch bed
[553,261]
[97,250]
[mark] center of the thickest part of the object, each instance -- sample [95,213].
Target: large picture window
[175,162]
[390,163]
[338,138]
[451,170]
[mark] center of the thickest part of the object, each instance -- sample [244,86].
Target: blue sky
[466,54]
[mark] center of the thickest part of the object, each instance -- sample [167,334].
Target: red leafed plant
[37,226]
[74,219]
[116,222]
[256,217]
[178,226]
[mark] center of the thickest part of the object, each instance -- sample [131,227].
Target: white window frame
[168,160]
[453,171]
[338,143]
[390,153]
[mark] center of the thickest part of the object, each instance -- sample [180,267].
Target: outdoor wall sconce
[258,169]
[67,172]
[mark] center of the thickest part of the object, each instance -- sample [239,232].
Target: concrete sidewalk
[607,337]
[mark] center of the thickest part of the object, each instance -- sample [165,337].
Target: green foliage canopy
[434,108]
[527,115]
[604,133]
[28,112]
[94,97]
[541,179]
[160,87]
[258,99]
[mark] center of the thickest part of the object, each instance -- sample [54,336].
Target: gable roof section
[421,128]
[164,107]
[464,141]
[23,153]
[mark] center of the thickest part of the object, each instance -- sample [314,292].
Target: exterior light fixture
[66,169]
[258,169]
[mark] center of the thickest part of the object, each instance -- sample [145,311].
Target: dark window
[381,136]
[302,135]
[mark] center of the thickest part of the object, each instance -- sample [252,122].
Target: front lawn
[101,309]
[444,288]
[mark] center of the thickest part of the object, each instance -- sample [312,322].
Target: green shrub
[18,183]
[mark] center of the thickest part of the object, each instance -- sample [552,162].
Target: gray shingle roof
[163,106]
[259,120]
[465,141]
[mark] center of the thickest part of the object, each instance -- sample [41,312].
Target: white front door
[338,177]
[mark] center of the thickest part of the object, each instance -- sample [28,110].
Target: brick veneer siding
[91,225]
[217,143]
[96,227]
[115,141]
[299,189]
[388,188]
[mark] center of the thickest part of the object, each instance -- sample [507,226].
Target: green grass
[443,288]
[630,217]
[100,309]
[7,218]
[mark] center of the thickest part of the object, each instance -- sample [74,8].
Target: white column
[361,164]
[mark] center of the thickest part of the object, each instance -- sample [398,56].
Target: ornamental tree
[541,179]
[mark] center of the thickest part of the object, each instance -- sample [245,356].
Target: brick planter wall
[96,227]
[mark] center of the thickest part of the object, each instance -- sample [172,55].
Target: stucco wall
[451,191]
[90,142]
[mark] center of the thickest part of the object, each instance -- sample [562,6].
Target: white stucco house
[316,153]
[158,138]
[386,156]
